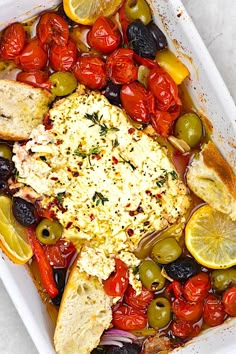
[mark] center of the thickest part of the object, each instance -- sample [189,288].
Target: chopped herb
[60,197]
[135,270]
[93,151]
[174,175]
[164,177]
[97,121]
[43,158]
[16,174]
[128,162]
[99,197]
[115,143]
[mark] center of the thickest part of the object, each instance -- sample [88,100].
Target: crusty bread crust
[215,161]
[22,108]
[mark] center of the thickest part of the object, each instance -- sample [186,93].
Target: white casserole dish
[211,97]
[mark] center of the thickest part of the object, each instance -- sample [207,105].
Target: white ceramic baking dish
[212,100]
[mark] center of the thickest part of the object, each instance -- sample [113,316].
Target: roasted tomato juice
[119,57]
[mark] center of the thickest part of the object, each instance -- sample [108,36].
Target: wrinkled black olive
[6,168]
[141,40]
[128,348]
[158,35]
[182,269]
[112,93]
[3,188]
[60,279]
[23,211]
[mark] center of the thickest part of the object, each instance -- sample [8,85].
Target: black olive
[3,188]
[182,269]
[112,93]
[128,348]
[6,168]
[141,40]
[158,35]
[60,279]
[23,211]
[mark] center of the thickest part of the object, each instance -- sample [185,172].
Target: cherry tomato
[128,318]
[33,56]
[36,78]
[176,287]
[63,58]
[163,88]
[13,41]
[229,301]
[52,28]
[60,254]
[138,301]
[213,311]
[104,35]
[161,122]
[90,71]
[137,102]
[181,329]
[196,288]
[118,281]
[120,67]
[187,312]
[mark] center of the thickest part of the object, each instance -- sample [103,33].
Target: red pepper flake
[130,232]
[159,196]
[75,173]
[92,217]
[97,157]
[80,163]
[128,205]
[47,122]
[69,224]
[68,169]
[114,160]
[54,178]
[59,142]
[132,213]
[131,130]
[148,192]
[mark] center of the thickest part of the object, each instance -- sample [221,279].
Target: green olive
[138,10]
[223,278]
[189,128]
[166,251]
[63,83]
[48,231]
[150,275]
[159,312]
[5,151]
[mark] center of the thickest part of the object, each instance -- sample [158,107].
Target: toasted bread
[212,179]
[84,314]
[22,108]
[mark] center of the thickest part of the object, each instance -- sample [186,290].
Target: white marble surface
[215,20]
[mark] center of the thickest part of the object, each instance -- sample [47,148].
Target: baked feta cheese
[107,182]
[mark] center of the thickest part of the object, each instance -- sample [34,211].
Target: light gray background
[215,20]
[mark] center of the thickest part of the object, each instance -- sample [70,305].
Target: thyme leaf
[162,180]
[60,197]
[128,162]
[115,143]
[93,151]
[99,198]
[104,129]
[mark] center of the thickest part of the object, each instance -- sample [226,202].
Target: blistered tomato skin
[213,312]
[186,311]
[128,318]
[90,71]
[104,35]
[33,56]
[13,41]
[181,329]
[63,58]
[138,301]
[229,301]
[36,78]
[52,28]
[196,289]
[118,281]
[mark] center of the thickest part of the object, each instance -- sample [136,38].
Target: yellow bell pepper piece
[172,65]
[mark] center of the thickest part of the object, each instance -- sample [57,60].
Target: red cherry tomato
[33,56]
[213,312]
[196,288]
[176,287]
[128,318]
[63,58]
[137,102]
[120,67]
[60,254]
[161,122]
[13,41]
[118,281]
[187,312]
[181,329]
[229,301]
[149,63]
[138,301]
[35,78]
[52,28]
[104,35]
[163,88]
[90,71]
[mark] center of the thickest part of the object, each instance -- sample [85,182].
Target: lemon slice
[13,236]
[210,237]
[87,11]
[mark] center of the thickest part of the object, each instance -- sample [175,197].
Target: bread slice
[84,314]
[22,108]
[212,179]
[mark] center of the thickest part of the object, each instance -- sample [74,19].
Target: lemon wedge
[13,236]
[210,237]
[86,12]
